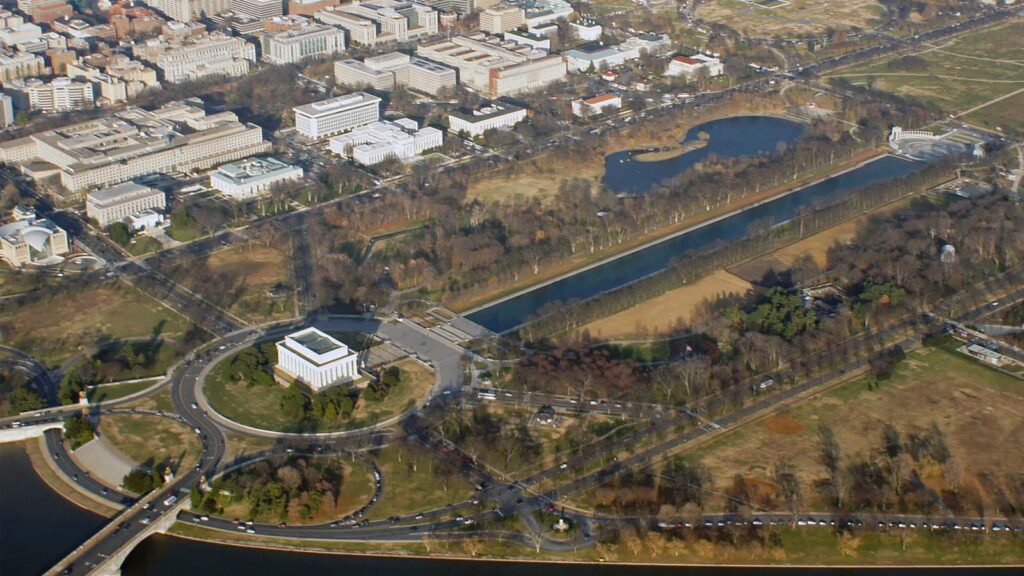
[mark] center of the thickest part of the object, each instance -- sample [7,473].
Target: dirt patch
[664,313]
[795,17]
[782,424]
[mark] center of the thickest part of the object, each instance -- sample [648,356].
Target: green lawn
[17,282]
[141,245]
[1006,116]
[411,484]
[259,406]
[62,324]
[969,71]
[115,391]
[142,438]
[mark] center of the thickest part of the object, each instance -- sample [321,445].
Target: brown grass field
[800,17]
[54,329]
[980,410]
[663,313]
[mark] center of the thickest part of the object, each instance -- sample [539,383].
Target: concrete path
[103,462]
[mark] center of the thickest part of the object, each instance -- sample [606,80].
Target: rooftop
[120,193]
[240,172]
[337,104]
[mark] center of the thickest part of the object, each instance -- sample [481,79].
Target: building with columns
[315,359]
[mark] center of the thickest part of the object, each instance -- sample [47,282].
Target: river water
[510,313]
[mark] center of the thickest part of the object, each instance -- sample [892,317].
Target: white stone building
[493,117]
[596,105]
[494,68]
[502,19]
[178,137]
[296,45]
[378,21]
[61,94]
[194,57]
[689,66]
[336,115]
[316,359]
[32,241]
[252,177]
[374,143]
[386,71]
[117,203]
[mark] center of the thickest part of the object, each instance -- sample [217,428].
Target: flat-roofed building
[458,6]
[117,203]
[374,143]
[178,137]
[502,19]
[32,241]
[336,115]
[527,38]
[690,66]
[20,65]
[258,9]
[309,7]
[61,94]
[495,68]
[298,44]
[586,30]
[493,117]
[315,359]
[193,57]
[252,177]
[45,11]
[386,71]
[376,21]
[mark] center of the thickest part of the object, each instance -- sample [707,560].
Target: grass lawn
[143,245]
[798,17]
[158,401]
[54,328]
[238,279]
[1006,116]
[966,72]
[410,483]
[414,386]
[184,233]
[972,404]
[16,282]
[141,438]
[150,359]
[115,391]
[259,406]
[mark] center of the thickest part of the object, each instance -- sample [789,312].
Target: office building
[494,68]
[122,78]
[462,7]
[309,7]
[58,95]
[252,177]
[315,359]
[32,240]
[178,137]
[493,117]
[6,111]
[527,38]
[295,45]
[586,30]
[45,11]
[258,9]
[336,115]
[193,57]
[19,33]
[374,143]
[117,203]
[20,65]
[379,21]
[502,19]
[386,71]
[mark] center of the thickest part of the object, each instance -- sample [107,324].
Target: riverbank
[59,483]
[584,262]
[797,548]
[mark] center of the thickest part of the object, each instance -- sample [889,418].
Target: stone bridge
[110,564]
[17,434]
